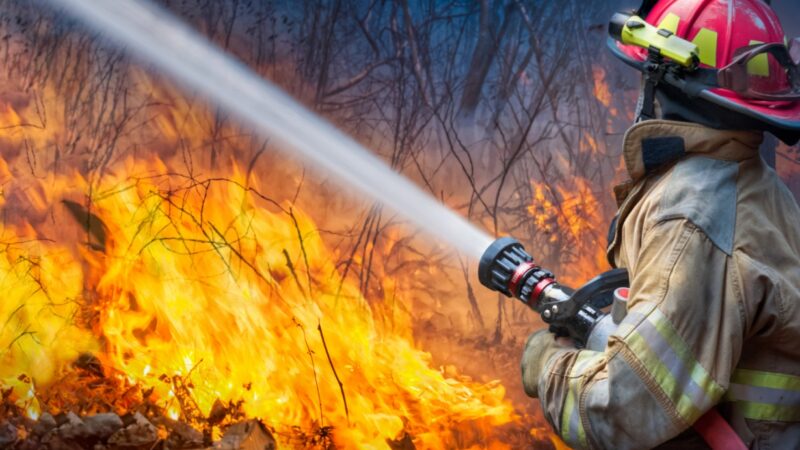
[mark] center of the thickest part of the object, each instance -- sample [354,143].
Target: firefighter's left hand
[540,347]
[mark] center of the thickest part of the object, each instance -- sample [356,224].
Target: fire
[602,92]
[207,288]
[569,218]
[178,284]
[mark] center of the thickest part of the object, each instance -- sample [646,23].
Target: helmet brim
[786,116]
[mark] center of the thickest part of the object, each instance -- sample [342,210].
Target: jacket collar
[654,144]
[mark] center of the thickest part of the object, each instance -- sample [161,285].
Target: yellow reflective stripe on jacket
[572,431]
[765,395]
[766,379]
[670,362]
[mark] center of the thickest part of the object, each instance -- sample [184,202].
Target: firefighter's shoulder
[702,190]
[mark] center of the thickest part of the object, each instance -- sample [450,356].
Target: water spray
[154,34]
[157,36]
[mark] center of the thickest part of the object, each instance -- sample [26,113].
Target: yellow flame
[202,283]
[206,293]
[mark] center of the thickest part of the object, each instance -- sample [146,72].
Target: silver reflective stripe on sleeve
[760,395]
[671,363]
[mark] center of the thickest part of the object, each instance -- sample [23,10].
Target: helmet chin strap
[640,103]
[657,114]
[646,107]
[654,71]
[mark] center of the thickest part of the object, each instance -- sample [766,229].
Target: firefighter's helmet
[743,71]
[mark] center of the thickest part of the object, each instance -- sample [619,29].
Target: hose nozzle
[506,267]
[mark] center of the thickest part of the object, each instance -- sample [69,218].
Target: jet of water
[160,38]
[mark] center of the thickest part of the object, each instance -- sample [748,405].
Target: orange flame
[601,90]
[201,286]
[570,217]
[201,280]
[209,283]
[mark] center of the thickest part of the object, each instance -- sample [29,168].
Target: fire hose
[588,315]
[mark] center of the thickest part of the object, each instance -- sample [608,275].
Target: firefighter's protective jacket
[711,238]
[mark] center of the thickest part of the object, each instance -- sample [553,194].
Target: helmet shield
[764,72]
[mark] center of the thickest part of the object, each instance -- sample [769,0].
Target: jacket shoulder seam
[703,191]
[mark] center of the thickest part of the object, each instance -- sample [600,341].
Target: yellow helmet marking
[670,22]
[706,41]
[758,66]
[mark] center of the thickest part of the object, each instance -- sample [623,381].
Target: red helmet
[739,70]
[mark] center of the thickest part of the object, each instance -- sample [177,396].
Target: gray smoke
[155,35]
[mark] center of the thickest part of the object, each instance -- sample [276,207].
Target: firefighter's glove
[541,346]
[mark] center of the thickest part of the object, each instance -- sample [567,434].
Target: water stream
[156,36]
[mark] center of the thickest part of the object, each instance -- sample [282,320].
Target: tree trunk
[482,57]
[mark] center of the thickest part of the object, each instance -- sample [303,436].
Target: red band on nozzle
[522,269]
[539,288]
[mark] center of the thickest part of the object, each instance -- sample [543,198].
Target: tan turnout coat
[710,237]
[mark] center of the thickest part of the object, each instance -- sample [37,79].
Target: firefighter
[710,238]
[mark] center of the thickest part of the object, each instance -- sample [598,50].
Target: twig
[186,402]
[314,369]
[302,251]
[336,375]
[293,272]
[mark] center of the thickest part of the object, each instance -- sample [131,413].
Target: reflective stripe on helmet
[765,395]
[705,39]
[759,65]
[706,42]
[670,362]
[670,23]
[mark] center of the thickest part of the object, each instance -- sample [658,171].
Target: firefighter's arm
[669,362]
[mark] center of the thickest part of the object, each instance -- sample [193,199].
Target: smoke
[154,34]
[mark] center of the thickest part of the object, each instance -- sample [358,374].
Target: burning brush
[198,292]
[193,293]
